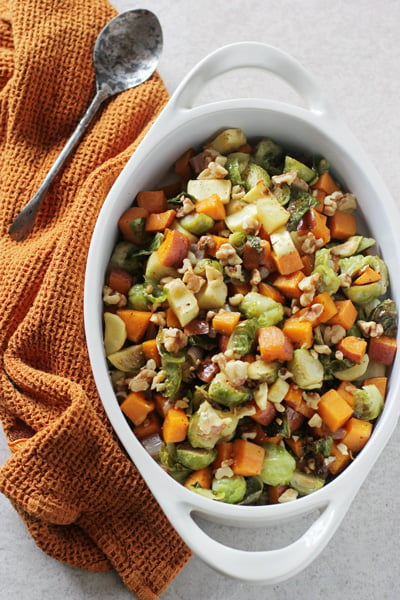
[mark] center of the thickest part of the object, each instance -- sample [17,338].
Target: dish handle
[252,54]
[266,566]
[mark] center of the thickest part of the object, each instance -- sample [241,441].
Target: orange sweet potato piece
[346,314]
[367,276]
[334,410]
[294,399]
[308,264]
[217,241]
[326,184]
[266,289]
[120,280]
[162,404]
[248,458]
[175,425]
[352,348]
[201,478]
[296,446]
[172,319]
[212,206]
[238,288]
[340,462]
[264,416]
[225,322]
[274,344]
[150,425]
[224,453]
[137,406]
[182,165]
[315,222]
[288,263]
[173,249]
[382,349]
[330,308]
[346,389]
[160,221]
[153,201]
[342,225]
[136,322]
[150,350]
[380,382]
[289,284]
[357,434]
[299,332]
[320,196]
[125,220]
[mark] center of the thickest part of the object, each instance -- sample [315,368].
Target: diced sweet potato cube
[334,410]
[352,348]
[357,435]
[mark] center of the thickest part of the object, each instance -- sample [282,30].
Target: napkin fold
[81,498]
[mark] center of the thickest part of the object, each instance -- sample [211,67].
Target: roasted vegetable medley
[247,323]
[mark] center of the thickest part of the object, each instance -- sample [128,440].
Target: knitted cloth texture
[81,498]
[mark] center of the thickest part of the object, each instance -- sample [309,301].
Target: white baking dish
[318,129]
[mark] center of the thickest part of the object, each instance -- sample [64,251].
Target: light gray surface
[352,47]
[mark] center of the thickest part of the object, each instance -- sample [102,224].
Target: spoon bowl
[125,54]
[127,51]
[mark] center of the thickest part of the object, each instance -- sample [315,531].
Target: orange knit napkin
[81,498]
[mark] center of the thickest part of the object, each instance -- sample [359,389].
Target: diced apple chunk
[204,188]
[236,221]
[182,301]
[214,294]
[228,140]
[155,270]
[272,215]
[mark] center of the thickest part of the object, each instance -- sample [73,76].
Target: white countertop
[352,47]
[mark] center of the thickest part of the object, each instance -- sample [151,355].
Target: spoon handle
[25,220]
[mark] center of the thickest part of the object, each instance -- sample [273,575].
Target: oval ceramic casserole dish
[316,129]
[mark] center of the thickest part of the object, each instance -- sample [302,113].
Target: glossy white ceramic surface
[317,128]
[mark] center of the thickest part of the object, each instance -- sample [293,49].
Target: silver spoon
[125,55]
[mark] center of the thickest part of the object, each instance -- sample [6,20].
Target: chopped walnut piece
[308,285]
[236,372]
[236,299]
[313,312]
[214,170]
[370,328]
[193,282]
[158,382]
[311,243]
[113,298]
[174,339]
[288,496]
[330,206]
[315,421]
[251,225]
[159,318]
[333,334]
[237,192]
[222,472]
[255,277]
[141,382]
[322,349]
[187,207]
[300,184]
[227,255]
[311,399]
[234,272]
[347,202]
[288,177]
